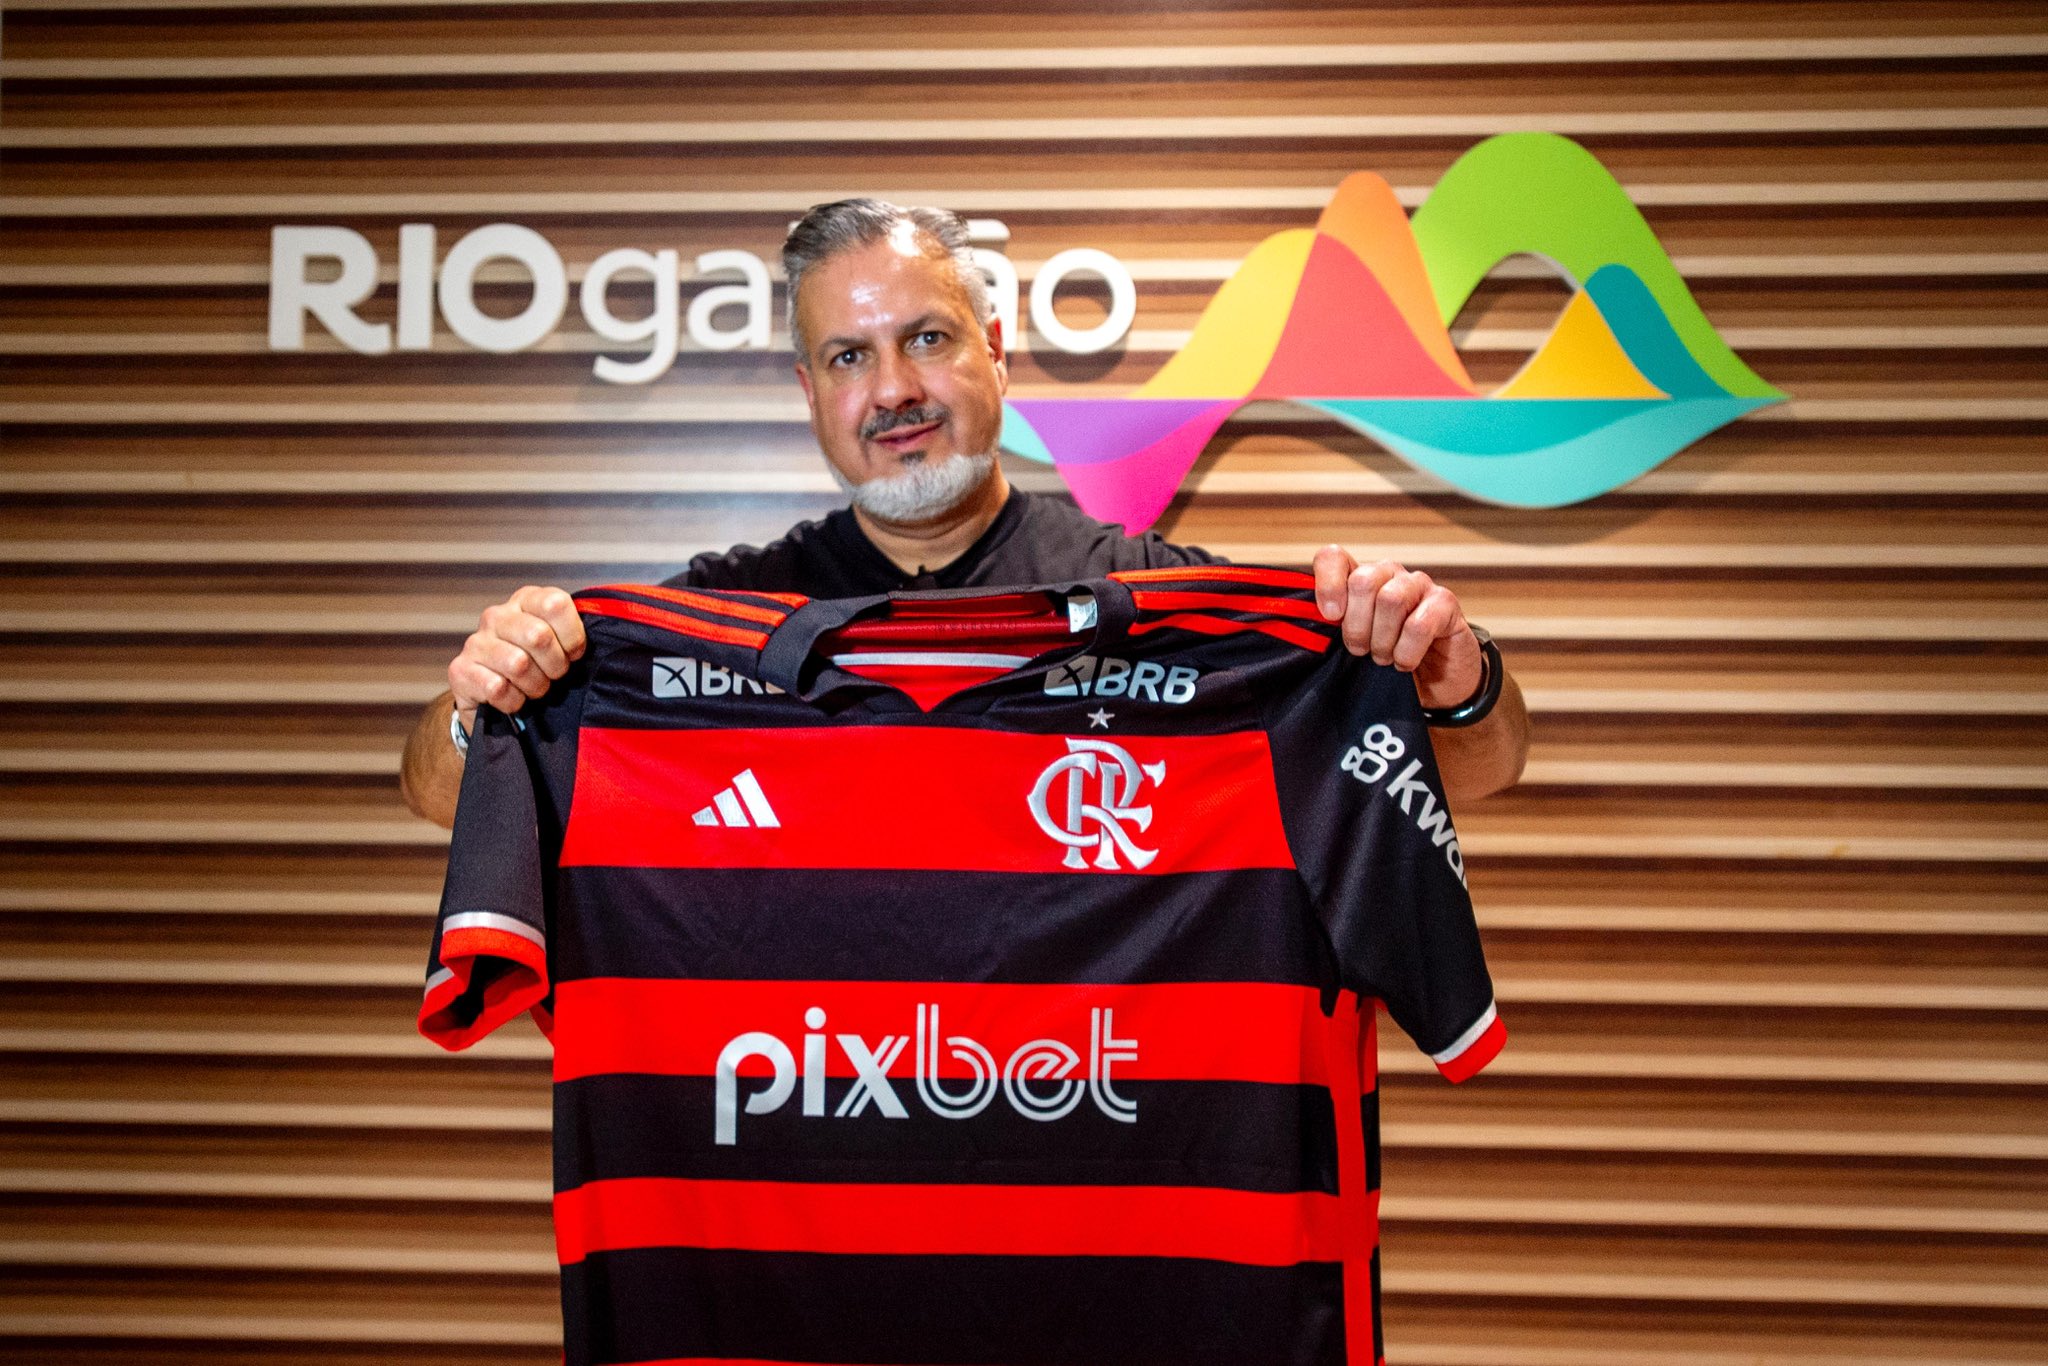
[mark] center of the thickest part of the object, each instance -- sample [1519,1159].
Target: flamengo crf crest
[1088,811]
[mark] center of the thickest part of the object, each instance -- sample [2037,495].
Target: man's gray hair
[843,225]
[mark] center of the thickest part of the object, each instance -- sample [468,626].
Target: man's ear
[998,354]
[803,378]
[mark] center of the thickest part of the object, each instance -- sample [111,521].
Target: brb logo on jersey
[678,676]
[1107,676]
[1038,1080]
[1084,799]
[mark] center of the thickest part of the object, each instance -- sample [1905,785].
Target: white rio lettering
[349,273]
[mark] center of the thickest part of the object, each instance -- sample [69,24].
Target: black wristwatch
[1479,705]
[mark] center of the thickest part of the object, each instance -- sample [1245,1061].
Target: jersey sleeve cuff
[490,970]
[1473,1049]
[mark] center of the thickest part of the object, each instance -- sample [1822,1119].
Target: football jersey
[965,977]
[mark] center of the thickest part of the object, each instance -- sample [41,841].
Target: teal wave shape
[1536,452]
[1646,335]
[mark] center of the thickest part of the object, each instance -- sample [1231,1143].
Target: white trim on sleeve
[1469,1037]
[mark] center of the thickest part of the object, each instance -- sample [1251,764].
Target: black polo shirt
[1034,539]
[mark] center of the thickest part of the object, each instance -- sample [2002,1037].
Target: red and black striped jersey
[965,977]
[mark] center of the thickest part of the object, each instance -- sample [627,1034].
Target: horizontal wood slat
[1307,199]
[632,407]
[780,132]
[1167,57]
[174,275]
[1150,341]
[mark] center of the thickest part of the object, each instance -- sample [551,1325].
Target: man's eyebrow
[923,321]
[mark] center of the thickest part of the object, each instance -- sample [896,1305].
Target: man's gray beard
[922,491]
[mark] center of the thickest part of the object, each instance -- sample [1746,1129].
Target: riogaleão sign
[1349,318]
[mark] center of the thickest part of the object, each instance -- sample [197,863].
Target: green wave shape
[1542,193]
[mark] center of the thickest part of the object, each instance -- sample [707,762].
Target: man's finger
[476,686]
[1364,587]
[1399,596]
[1333,566]
[518,666]
[535,637]
[558,610]
[1434,618]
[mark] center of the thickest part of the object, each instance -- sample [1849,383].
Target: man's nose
[897,382]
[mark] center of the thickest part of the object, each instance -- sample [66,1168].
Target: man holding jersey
[903,367]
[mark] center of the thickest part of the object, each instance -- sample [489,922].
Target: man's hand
[520,646]
[1404,618]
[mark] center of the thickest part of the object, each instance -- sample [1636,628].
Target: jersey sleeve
[1364,811]
[489,956]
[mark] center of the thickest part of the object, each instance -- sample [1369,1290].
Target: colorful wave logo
[1349,318]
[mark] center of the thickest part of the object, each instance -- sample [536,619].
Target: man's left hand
[1404,618]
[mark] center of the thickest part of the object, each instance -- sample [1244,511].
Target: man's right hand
[520,647]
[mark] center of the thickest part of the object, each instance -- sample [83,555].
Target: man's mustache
[902,417]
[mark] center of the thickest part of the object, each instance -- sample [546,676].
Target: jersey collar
[789,659]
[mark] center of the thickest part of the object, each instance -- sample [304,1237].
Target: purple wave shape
[1124,458]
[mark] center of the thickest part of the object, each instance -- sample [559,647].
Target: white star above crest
[1100,719]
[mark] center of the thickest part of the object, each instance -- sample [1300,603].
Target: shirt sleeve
[489,959]
[1372,838]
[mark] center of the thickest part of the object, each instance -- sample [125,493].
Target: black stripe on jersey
[928,1311]
[1232,1135]
[1246,925]
[1369,1112]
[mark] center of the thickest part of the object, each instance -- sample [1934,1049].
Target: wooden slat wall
[1768,913]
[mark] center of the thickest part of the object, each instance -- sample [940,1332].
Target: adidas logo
[742,805]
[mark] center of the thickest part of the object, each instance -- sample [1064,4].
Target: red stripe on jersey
[1224,626]
[670,621]
[1252,1228]
[1267,1032]
[1345,1047]
[745,611]
[916,797]
[1477,1054]
[1226,573]
[1232,602]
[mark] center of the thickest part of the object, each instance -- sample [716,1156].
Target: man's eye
[928,338]
[845,358]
